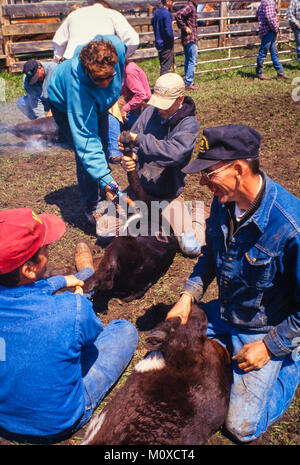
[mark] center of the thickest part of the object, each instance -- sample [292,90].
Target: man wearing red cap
[57,361]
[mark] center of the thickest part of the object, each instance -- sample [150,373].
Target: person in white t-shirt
[83,24]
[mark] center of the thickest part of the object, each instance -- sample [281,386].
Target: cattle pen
[227,32]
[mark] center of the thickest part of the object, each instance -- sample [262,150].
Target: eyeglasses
[107,78]
[208,174]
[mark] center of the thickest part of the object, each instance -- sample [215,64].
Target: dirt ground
[46,181]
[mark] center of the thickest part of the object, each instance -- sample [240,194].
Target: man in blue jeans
[186,19]
[57,360]
[268,29]
[253,251]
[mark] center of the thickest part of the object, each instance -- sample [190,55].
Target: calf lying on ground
[131,265]
[40,128]
[177,395]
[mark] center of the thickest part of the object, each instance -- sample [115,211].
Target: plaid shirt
[293,13]
[267,17]
[187,17]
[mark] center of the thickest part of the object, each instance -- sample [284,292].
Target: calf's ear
[155,339]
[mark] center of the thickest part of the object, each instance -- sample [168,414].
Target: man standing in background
[187,22]
[164,35]
[268,28]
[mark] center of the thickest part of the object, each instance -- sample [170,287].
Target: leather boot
[263,77]
[83,256]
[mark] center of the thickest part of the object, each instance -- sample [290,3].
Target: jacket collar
[261,216]
[188,109]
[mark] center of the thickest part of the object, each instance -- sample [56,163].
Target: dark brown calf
[179,394]
[40,128]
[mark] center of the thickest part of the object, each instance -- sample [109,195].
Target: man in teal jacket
[80,90]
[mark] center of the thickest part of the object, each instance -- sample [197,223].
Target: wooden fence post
[7,39]
[278,15]
[223,23]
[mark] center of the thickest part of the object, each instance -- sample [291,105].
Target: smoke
[10,115]
[34,145]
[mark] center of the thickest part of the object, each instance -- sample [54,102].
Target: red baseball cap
[23,233]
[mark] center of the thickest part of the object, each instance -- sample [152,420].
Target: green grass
[13,85]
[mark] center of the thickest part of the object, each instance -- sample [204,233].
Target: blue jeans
[104,362]
[109,131]
[296,32]
[25,106]
[191,56]
[268,42]
[131,119]
[258,397]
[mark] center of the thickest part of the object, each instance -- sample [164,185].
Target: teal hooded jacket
[71,91]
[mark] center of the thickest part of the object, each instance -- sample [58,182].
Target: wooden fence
[28,29]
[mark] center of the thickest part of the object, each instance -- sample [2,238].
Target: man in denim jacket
[253,251]
[57,360]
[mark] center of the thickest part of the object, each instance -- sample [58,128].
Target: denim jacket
[42,338]
[257,270]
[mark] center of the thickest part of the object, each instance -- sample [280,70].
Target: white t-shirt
[82,25]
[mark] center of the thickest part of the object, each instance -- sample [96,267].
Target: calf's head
[179,342]
[104,276]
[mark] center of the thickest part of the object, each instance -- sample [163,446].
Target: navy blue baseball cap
[225,143]
[30,68]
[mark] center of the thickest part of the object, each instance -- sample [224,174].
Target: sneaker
[263,77]
[83,256]
[192,87]
[189,245]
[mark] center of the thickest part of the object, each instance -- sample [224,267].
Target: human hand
[188,30]
[111,187]
[78,290]
[182,309]
[252,356]
[72,281]
[129,163]
[132,137]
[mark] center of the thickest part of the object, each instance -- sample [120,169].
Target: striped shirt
[293,13]
[187,17]
[267,17]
